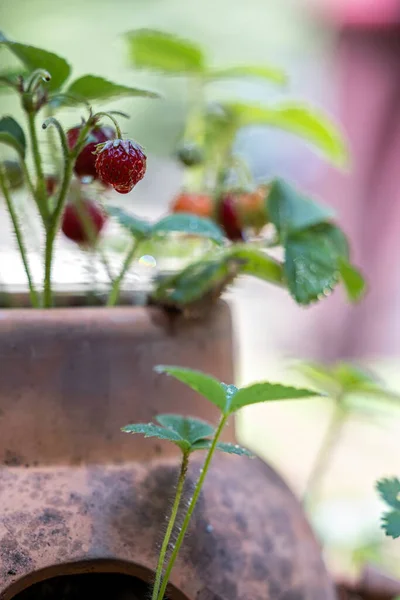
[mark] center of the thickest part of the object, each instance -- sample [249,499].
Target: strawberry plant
[268,229]
[260,219]
[192,435]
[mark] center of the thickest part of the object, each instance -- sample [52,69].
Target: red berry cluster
[115,162]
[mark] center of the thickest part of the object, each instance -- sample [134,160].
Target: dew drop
[147,261]
[209,528]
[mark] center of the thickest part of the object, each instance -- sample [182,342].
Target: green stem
[40,194]
[191,507]
[92,237]
[17,230]
[51,234]
[324,456]
[53,226]
[106,114]
[28,178]
[114,293]
[171,523]
[35,78]
[54,152]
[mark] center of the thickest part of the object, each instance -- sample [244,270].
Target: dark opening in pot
[102,586]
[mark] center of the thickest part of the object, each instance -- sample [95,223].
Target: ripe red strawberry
[228,218]
[73,225]
[122,164]
[86,160]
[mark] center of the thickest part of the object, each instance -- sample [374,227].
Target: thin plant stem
[17,230]
[54,224]
[40,195]
[171,524]
[106,114]
[92,237]
[191,507]
[51,234]
[54,153]
[324,456]
[28,178]
[115,290]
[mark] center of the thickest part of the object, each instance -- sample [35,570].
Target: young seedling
[192,435]
[389,490]
[345,385]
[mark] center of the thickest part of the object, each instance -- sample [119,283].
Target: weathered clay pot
[78,496]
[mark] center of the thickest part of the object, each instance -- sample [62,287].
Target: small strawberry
[198,204]
[51,182]
[14,174]
[121,163]
[85,164]
[251,208]
[228,218]
[84,230]
[190,155]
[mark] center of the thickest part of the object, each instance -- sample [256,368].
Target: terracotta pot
[78,496]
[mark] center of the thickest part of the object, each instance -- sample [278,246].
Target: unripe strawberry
[121,164]
[251,208]
[14,174]
[85,229]
[190,155]
[197,204]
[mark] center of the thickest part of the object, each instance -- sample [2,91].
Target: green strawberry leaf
[320,376]
[273,74]
[312,261]
[290,211]
[351,376]
[152,430]
[266,392]
[97,89]
[12,134]
[234,449]
[37,58]
[203,384]
[139,228]
[304,121]
[196,281]
[189,224]
[256,263]
[352,279]
[391,523]
[223,447]
[9,77]
[189,428]
[164,53]
[389,490]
